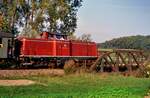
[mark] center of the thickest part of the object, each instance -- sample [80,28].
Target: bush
[147,71]
[70,67]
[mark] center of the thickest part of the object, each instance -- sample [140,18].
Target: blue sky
[107,19]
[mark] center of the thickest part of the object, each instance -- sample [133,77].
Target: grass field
[79,86]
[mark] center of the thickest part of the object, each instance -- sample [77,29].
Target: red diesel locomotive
[55,47]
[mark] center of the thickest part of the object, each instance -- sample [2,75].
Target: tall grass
[80,86]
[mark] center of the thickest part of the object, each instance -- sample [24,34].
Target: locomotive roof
[6,35]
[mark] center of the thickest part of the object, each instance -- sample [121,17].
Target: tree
[3,24]
[130,42]
[86,37]
[9,11]
[31,14]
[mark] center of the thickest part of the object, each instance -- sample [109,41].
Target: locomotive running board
[46,56]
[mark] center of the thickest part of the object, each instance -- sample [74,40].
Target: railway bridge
[119,60]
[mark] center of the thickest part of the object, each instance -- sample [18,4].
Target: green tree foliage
[30,15]
[131,42]
[9,10]
[4,25]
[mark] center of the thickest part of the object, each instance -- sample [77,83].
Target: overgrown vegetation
[70,67]
[147,67]
[80,86]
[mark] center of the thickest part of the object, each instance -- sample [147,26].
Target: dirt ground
[29,72]
[16,82]
[25,72]
[147,97]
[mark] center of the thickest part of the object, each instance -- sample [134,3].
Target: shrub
[70,67]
